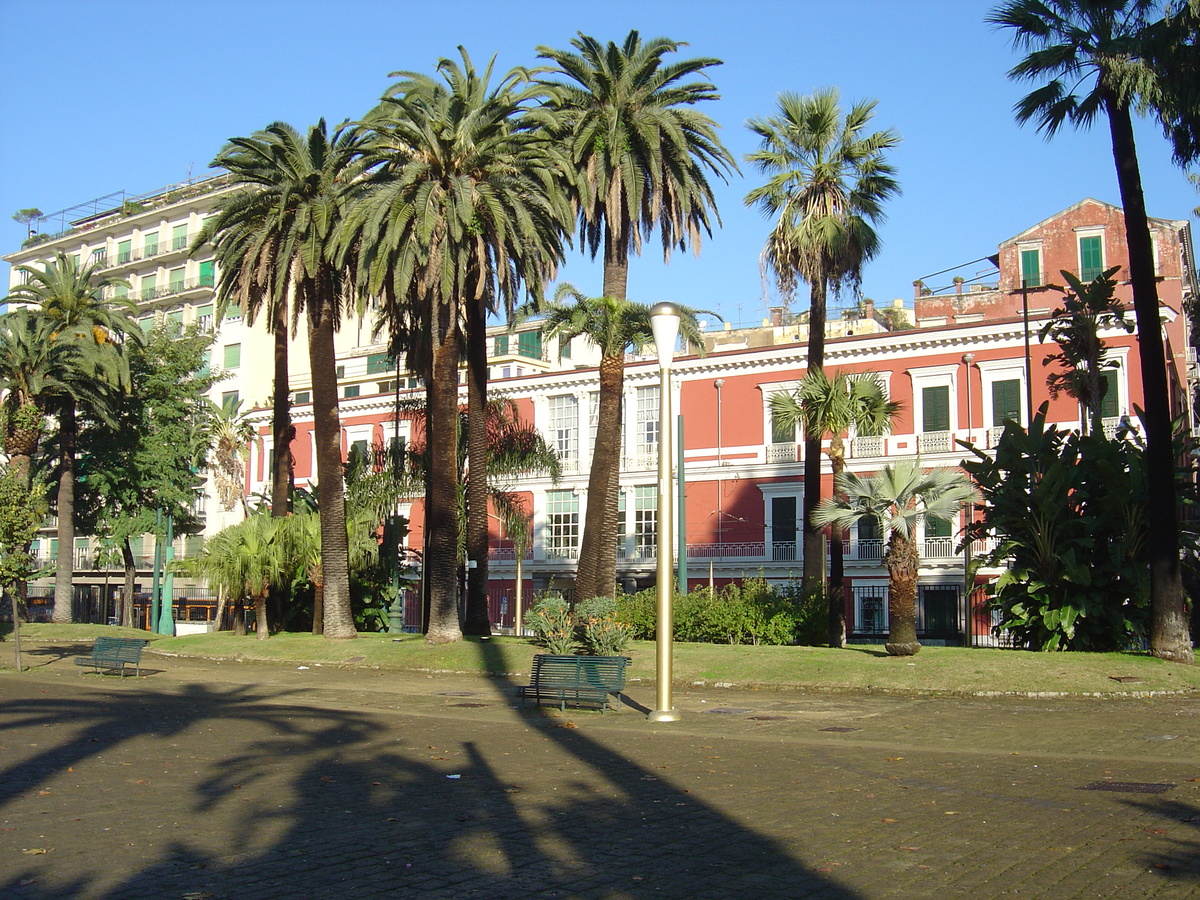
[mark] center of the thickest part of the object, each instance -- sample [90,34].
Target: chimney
[868,308]
[776,316]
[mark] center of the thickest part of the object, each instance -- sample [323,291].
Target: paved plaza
[244,781]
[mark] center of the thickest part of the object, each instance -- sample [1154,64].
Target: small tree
[899,498]
[22,510]
[1082,354]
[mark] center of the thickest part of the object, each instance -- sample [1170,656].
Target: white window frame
[993,370]
[934,376]
[1087,232]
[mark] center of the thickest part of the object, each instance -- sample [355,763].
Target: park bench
[114,654]
[576,678]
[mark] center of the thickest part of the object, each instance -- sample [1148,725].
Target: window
[529,344]
[150,245]
[782,431]
[301,397]
[593,417]
[351,390]
[564,426]
[783,527]
[645,519]
[380,362]
[1006,401]
[175,280]
[233,356]
[124,252]
[621,529]
[175,322]
[564,349]
[148,287]
[179,237]
[99,257]
[121,291]
[205,362]
[937,528]
[1110,406]
[206,273]
[1031,267]
[229,401]
[935,408]
[647,420]
[147,323]
[204,316]
[1091,257]
[562,524]
[500,347]
[358,448]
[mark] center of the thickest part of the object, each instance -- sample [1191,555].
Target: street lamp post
[664,322]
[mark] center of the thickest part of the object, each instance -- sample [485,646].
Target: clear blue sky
[98,96]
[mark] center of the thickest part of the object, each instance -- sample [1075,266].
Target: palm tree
[232,434]
[828,180]
[244,560]
[462,214]
[832,406]
[898,498]
[615,326]
[1088,57]
[72,298]
[275,244]
[641,155]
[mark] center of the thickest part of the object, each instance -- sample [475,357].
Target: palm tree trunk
[814,539]
[318,583]
[262,629]
[902,561]
[282,433]
[281,418]
[597,572]
[127,587]
[837,566]
[335,554]
[64,573]
[441,513]
[1169,636]
[477,621]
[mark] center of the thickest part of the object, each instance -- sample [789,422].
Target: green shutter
[378,363]
[501,345]
[1091,257]
[179,237]
[1110,406]
[150,247]
[229,401]
[176,280]
[124,252]
[935,408]
[1006,401]
[205,362]
[233,356]
[529,344]
[206,273]
[935,528]
[782,430]
[148,286]
[1031,267]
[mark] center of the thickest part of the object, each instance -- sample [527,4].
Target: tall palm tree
[832,406]
[462,214]
[641,155]
[73,299]
[1088,57]
[827,183]
[898,498]
[615,326]
[275,243]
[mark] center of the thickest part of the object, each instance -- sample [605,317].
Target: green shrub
[639,611]
[550,621]
[599,628]
[747,612]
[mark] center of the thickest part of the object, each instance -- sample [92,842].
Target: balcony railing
[935,442]
[783,453]
[867,445]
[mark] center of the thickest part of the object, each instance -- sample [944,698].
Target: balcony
[783,453]
[935,442]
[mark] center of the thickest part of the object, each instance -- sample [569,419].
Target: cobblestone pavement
[234,780]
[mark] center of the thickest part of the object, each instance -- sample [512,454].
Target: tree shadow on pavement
[1180,831]
[292,799]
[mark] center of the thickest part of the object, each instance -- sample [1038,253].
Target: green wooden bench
[576,678]
[113,654]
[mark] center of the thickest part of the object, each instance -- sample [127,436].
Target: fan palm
[275,245]
[828,180]
[898,498]
[462,215]
[72,298]
[1089,58]
[833,406]
[615,326]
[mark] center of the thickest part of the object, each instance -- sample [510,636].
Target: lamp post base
[664,715]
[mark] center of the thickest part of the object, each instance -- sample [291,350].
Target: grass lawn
[934,669]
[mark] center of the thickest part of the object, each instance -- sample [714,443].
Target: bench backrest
[607,672]
[118,648]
